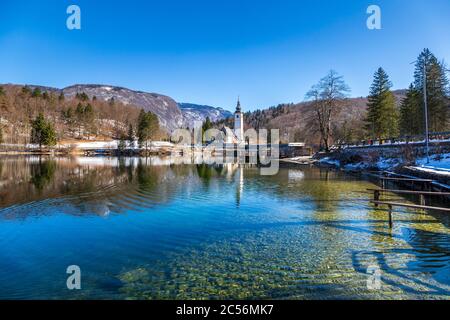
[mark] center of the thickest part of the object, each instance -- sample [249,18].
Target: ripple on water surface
[196,232]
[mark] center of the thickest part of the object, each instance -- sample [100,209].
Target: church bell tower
[239,122]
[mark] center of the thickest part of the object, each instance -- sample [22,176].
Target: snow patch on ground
[330,161]
[387,163]
[356,166]
[439,164]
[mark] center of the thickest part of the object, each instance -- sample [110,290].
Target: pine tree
[42,132]
[3,101]
[437,92]
[36,93]
[79,113]
[26,90]
[207,124]
[82,96]
[148,126]
[410,124]
[130,135]
[382,117]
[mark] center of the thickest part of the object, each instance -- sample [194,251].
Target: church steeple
[238,107]
[239,122]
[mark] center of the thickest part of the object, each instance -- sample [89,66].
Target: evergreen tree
[82,96]
[3,100]
[42,132]
[36,93]
[130,134]
[410,124]
[26,90]
[205,127]
[79,113]
[148,126]
[61,97]
[122,146]
[437,92]
[382,118]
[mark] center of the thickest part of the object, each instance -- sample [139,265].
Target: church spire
[238,107]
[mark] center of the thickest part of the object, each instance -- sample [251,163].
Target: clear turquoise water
[145,229]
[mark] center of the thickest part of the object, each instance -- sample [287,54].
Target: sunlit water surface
[149,229]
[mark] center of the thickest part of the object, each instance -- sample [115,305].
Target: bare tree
[327,98]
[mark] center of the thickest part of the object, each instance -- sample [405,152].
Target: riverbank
[89,147]
[437,168]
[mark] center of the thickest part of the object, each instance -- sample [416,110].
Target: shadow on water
[42,173]
[429,256]
[225,231]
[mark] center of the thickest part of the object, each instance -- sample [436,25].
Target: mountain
[194,112]
[171,114]
[164,107]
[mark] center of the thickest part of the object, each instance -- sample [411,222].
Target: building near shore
[236,135]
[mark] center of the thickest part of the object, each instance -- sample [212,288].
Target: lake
[155,229]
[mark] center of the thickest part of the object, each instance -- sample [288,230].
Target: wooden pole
[422,200]
[376,197]
[390,216]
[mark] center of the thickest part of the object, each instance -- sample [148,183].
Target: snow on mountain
[171,114]
[194,112]
[164,107]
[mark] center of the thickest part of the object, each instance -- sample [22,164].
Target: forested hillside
[79,117]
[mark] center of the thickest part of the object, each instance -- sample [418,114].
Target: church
[236,136]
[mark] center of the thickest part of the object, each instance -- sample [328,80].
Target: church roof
[238,107]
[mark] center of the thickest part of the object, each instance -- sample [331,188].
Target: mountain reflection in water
[153,228]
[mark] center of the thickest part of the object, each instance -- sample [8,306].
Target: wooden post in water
[422,200]
[376,197]
[390,216]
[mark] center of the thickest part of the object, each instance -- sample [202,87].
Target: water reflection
[148,228]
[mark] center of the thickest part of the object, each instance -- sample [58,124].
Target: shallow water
[151,229]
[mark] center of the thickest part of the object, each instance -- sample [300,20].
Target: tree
[327,97]
[79,112]
[36,93]
[122,144]
[130,135]
[3,100]
[437,92]
[85,116]
[1,134]
[69,117]
[207,124]
[43,132]
[382,117]
[61,97]
[148,126]
[26,90]
[410,108]
[89,119]
[82,96]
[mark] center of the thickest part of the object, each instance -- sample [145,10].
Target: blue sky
[209,52]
